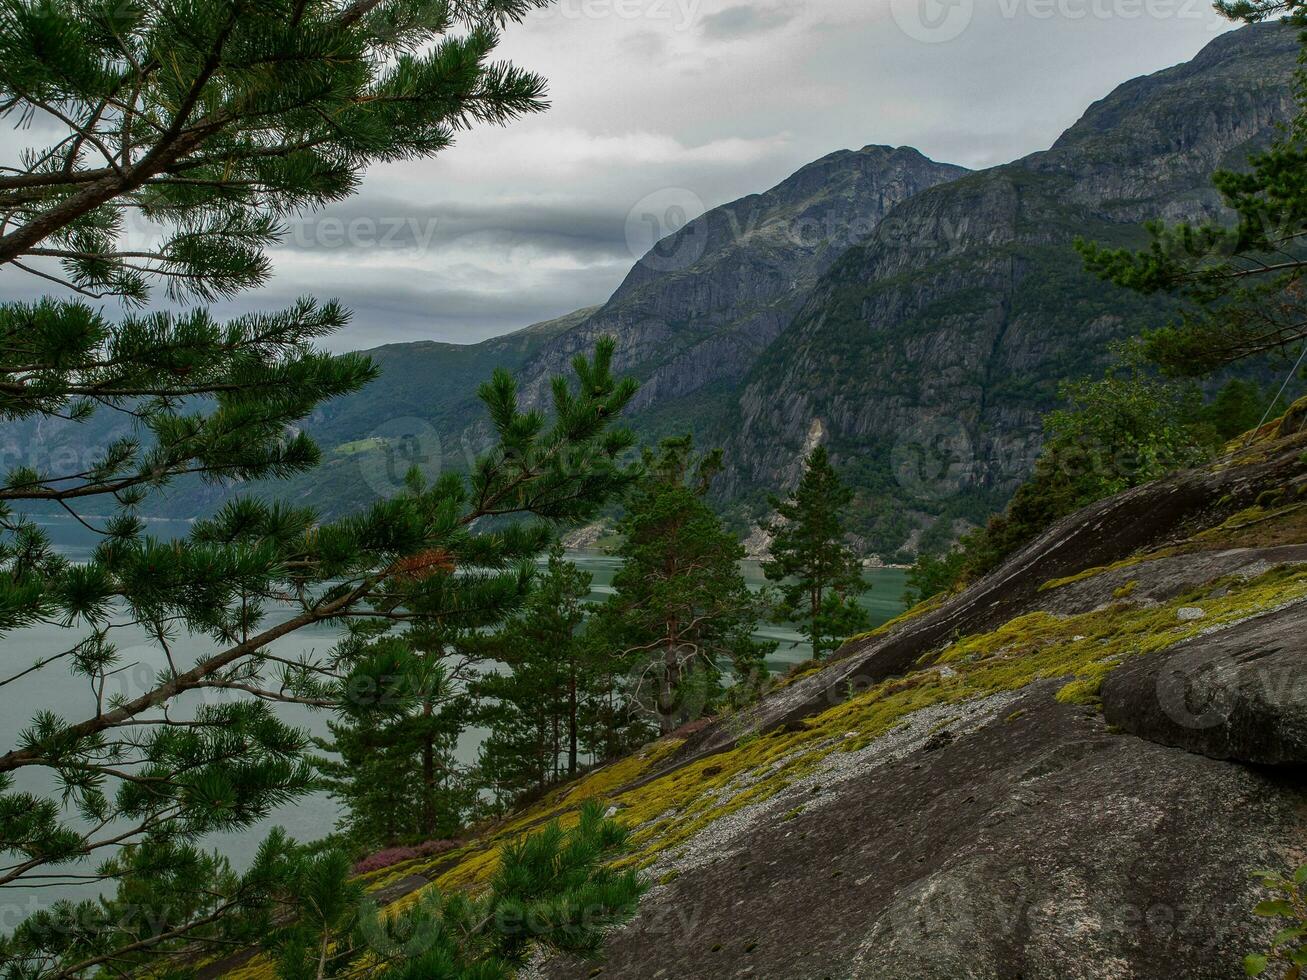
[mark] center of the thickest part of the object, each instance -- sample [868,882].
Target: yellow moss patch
[1097,570]
[1126,589]
[1256,527]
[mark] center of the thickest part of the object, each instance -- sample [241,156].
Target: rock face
[1241,694]
[1037,848]
[931,351]
[694,313]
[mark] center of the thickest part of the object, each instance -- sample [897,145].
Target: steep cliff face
[695,311]
[930,352]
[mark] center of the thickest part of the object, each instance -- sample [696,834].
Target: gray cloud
[400,309]
[583,229]
[744,20]
[518,224]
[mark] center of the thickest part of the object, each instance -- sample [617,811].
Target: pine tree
[563,693]
[820,577]
[214,120]
[681,608]
[391,760]
[553,890]
[1240,284]
[536,705]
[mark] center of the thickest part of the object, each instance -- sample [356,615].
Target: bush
[398,855]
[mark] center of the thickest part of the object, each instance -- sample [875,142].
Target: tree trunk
[670,685]
[428,776]
[571,721]
[816,611]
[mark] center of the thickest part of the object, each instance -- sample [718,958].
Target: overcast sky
[667,107]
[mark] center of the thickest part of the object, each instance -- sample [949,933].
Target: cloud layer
[714,99]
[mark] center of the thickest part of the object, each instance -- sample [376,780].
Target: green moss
[1252,528]
[1083,691]
[1097,570]
[1126,589]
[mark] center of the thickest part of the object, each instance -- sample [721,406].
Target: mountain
[915,317]
[435,381]
[694,313]
[926,356]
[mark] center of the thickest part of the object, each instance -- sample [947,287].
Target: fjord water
[55,690]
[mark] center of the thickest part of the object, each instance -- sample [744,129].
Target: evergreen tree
[213,120]
[820,577]
[681,608]
[562,693]
[613,721]
[392,763]
[535,709]
[553,889]
[1240,283]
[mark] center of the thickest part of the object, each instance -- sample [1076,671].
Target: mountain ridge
[930,352]
[918,315]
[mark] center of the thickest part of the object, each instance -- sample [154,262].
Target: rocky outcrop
[1240,694]
[1037,846]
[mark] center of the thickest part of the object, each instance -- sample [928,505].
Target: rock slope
[1069,769]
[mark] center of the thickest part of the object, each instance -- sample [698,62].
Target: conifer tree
[212,120]
[820,578]
[535,708]
[392,752]
[553,890]
[681,608]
